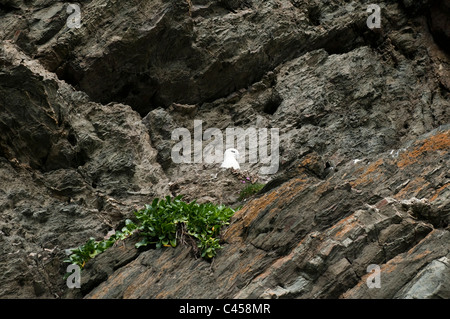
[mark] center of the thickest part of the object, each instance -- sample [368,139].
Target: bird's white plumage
[230,159]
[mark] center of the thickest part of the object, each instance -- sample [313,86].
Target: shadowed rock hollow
[86,116]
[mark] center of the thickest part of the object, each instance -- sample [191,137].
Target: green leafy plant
[250,190]
[165,223]
[208,246]
[82,254]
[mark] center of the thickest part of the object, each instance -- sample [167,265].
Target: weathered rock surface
[86,116]
[313,238]
[71,169]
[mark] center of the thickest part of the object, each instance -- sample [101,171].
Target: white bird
[230,159]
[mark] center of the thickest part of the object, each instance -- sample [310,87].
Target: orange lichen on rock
[309,159]
[438,191]
[276,265]
[412,189]
[353,292]
[369,174]
[391,265]
[422,255]
[339,235]
[414,249]
[438,142]
[343,226]
[322,188]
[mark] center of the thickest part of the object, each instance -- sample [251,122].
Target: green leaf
[142,242]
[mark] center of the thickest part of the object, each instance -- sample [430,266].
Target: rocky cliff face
[86,116]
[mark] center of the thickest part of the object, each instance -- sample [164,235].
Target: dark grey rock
[77,157]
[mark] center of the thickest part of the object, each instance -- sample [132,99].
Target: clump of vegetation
[166,223]
[250,190]
[82,254]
